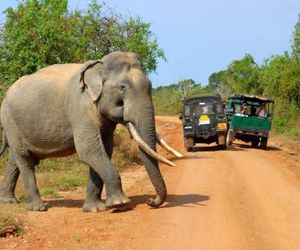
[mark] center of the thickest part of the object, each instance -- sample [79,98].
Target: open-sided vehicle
[249,119]
[204,121]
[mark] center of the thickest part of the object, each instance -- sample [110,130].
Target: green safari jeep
[249,119]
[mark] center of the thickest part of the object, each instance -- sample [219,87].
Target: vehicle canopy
[250,99]
[254,102]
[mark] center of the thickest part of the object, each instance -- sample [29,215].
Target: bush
[126,152]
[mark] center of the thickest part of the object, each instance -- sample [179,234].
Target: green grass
[286,120]
[49,192]
[70,181]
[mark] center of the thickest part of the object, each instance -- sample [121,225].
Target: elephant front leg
[26,165]
[90,149]
[9,182]
[93,202]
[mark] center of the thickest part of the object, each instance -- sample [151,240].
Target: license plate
[204,119]
[222,126]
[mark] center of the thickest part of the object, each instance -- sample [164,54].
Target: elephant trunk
[145,125]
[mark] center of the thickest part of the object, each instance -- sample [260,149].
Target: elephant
[74,108]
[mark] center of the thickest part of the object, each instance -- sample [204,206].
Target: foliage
[280,77]
[216,83]
[241,76]
[33,37]
[69,180]
[49,192]
[296,39]
[126,152]
[42,32]
[167,99]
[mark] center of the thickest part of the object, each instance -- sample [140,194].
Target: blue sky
[203,37]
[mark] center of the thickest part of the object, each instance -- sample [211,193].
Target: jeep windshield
[203,106]
[208,108]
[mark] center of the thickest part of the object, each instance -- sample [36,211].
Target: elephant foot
[93,206]
[8,198]
[117,201]
[36,206]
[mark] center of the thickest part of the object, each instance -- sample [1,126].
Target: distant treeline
[278,77]
[39,33]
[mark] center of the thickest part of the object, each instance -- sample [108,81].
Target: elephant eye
[120,103]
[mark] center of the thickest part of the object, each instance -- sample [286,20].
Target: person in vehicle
[244,110]
[262,110]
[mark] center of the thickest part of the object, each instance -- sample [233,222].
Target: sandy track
[241,198]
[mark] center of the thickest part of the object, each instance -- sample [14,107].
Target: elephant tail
[4,144]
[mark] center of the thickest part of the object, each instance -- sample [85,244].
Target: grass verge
[10,223]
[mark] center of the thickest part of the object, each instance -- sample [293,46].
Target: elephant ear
[92,78]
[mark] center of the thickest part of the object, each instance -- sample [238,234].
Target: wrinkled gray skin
[63,109]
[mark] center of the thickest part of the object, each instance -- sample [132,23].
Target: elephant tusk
[165,146]
[138,139]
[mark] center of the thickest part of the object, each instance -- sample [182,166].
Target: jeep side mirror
[180,116]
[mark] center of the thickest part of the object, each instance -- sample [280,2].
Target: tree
[296,39]
[167,99]
[32,37]
[281,78]
[216,84]
[242,76]
[42,32]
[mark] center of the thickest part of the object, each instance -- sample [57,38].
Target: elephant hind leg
[26,164]
[8,184]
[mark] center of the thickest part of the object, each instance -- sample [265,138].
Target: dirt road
[241,198]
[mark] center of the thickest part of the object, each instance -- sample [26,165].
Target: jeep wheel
[221,141]
[188,144]
[264,142]
[254,142]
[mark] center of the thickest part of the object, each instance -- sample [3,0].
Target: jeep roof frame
[253,98]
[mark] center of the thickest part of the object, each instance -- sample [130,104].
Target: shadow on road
[215,148]
[64,203]
[173,200]
[185,200]
[247,146]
